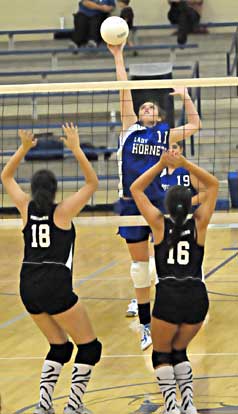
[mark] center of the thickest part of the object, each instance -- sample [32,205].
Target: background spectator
[186,14]
[88,20]
[128,15]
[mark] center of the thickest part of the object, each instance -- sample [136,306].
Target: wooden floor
[123,382]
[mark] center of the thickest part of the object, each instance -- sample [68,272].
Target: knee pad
[140,274]
[152,269]
[179,356]
[159,358]
[89,354]
[60,353]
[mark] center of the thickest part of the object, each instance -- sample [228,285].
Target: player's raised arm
[193,119]
[72,205]
[128,116]
[18,196]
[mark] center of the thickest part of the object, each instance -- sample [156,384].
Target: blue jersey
[180,176]
[140,148]
[93,12]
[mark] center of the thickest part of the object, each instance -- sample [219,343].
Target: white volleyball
[114,30]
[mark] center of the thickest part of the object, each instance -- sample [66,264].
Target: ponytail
[178,204]
[43,189]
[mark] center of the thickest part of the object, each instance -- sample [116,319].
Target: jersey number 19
[182,256]
[40,235]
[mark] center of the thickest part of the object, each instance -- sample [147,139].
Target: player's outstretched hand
[71,140]
[176,160]
[27,139]
[172,159]
[116,49]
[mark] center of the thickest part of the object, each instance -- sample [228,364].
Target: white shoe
[132,309]
[40,410]
[174,411]
[80,410]
[91,43]
[145,339]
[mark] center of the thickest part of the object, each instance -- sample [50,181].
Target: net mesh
[95,109]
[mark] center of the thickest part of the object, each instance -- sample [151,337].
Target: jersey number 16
[40,235]
[182,256]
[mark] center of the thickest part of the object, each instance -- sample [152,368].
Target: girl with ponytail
[46,274]
[181,301]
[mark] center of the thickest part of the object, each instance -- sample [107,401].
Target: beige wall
[26,14]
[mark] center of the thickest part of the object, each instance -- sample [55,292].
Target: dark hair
[43,190]
[178,202]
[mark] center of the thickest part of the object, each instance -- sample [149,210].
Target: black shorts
[47,288]
[181,301]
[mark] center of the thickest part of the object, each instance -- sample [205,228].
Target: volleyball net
[94,107]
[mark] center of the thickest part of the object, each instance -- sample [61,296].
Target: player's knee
[90,353]
[60,353]
[140,274]
[160,358]
[152,268]
[179,356]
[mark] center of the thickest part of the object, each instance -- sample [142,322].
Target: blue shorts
[132,234]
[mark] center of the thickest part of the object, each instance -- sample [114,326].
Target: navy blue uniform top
[93,12]
[140,148]
[185,259]
[180,176]
[45,242]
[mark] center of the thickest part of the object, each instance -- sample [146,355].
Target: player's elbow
[3,176]
[94,184]
[216,183]
[132,188]
[197,125]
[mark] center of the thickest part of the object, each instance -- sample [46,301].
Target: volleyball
[114,30]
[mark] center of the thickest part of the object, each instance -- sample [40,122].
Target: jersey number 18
[40,235]
[182,256]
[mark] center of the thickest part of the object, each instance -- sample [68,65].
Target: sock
[167,384]
[184,377]
[80,377]
[144,313]
[49,376]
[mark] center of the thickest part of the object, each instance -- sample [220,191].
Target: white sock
[184,377]
[167,384]
[80,377]
[49,376]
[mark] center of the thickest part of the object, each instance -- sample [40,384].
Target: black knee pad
[179,356]
[90,353]
[60,353]
[159,358]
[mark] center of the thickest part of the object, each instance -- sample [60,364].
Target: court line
[222,264]
[15,319]
[230,248]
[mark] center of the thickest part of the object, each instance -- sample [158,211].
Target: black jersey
[185,259]
[45,242]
